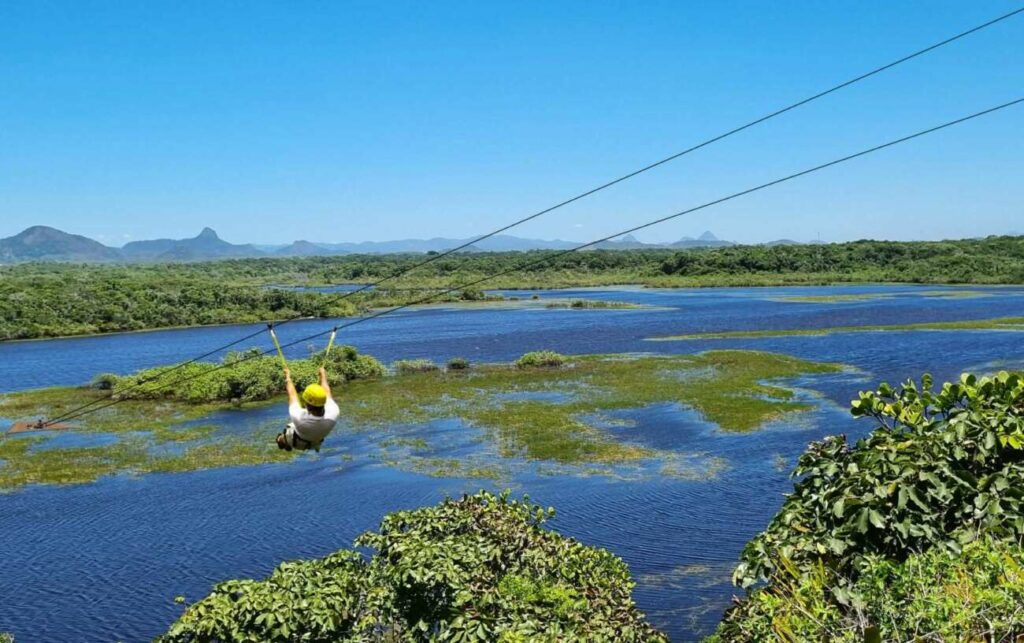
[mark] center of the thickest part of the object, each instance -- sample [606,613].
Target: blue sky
[342,121]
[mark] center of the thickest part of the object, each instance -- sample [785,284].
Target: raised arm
[289,386]
[323,382]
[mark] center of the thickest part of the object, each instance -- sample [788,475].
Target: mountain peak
[37,230]
[707,236]
[43,243]
[208,233]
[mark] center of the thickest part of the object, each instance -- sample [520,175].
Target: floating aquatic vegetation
[873,296]
[1015,324]
[780,462]
[696,467]
[709,574]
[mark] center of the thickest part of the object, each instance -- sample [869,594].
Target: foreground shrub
[479,568]
[912,534]
[936,596]
[410,366]
[538,359]
[941,469]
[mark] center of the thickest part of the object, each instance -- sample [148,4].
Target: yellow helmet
[315,395]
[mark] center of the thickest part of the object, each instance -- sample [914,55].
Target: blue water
[103,561]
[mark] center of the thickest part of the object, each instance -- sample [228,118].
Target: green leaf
[862,521]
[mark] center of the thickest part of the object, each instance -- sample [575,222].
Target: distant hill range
[42,243]
[205,246]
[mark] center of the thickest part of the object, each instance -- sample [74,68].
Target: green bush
[912,534]
[351,365]
[478,568]
[936,596]
[941,468]
[410,366]
[458,364]
[251,377]
[538,359]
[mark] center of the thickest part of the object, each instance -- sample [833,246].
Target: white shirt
[310,427]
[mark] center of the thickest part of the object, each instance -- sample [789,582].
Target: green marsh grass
[733,389]
[22,465]
[586,304]
[998,323]
[873,296]
[729,388]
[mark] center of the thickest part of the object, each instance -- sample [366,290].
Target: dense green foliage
[242,377]
[943,467]
[938,596]
[991,260]
[481,568]
[44,300]
[540,359]
[943,470]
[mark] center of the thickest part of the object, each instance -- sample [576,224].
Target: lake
[103,561]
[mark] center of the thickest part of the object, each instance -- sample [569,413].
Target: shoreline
[623,286]
[444,304]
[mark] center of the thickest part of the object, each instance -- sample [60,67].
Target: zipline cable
[71,415]
[689,150]
[604,186]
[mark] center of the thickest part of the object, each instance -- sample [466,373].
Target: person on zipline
[310,425]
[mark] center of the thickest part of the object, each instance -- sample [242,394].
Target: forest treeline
[48,299]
